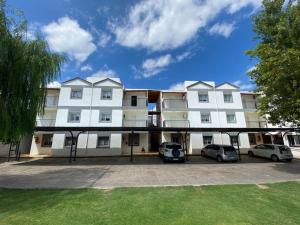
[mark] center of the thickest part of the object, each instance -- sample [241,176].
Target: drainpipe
[218,112]
[90,115]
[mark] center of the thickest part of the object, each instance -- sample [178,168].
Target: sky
[155,44]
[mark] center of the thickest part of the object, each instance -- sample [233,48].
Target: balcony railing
[256,124]
[45,122]
[176,123]
[140,103]
[250,105]
[51,101]
[135,123]
[174,104]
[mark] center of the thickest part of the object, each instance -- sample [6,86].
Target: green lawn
[231,204]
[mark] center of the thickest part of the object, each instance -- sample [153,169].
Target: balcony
[175,104]
[250,105]
[45,123]
[139,103]
[51,101]
[135,123]
[256,124]
[176,123]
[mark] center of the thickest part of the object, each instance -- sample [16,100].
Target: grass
[229,204]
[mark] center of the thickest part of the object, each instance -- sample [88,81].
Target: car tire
[274,158]
[219,158]
[202,154]
[250,153]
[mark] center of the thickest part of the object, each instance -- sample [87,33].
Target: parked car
[220,152]
[273,152]
[171,151]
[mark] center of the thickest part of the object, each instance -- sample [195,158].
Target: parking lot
[111,172]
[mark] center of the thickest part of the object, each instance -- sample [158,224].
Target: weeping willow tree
[26,67]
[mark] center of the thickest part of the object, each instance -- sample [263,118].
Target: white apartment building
[99,102]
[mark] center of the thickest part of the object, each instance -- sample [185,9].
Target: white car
[171,151]
[273,152]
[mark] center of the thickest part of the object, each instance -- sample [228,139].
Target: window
[105,117]
[252,139]
[205,117]
[203,97]
[231,118]
[76,93]
[74,117]
[68,141]
[133,100]
[134,140]
[228,98]
[207,140]
[47,140]
[103,142]
[234,140]
[106,94]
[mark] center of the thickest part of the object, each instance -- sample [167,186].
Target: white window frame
[103,114]
[203,94]
[212,139]
[76,90]
[73,112]
[231,114]
[105,96]
[205,114]
[103,146]
[226,100]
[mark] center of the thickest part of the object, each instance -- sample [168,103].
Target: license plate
[175,159]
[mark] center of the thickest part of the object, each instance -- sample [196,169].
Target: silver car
[273,152]
[171,151]
[220,152]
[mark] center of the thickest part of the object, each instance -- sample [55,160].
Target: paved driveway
[145,171]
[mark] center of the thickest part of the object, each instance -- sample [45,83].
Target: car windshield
[173,146]
[228,149]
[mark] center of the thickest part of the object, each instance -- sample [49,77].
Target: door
[258,150]
[268,151]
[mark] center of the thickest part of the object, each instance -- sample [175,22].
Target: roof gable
[227,86]
[107,83]
[77,81]
[199,85]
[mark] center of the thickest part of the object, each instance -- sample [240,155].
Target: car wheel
[274,158]
[250,153]
[219,158]
[202,153]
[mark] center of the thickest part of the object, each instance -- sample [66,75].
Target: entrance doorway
[155,140]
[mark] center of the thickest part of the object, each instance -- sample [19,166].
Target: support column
[131,146]
[71,150]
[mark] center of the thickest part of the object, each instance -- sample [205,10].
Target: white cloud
[104,40]
[177,87]
[86,68]
[244,86]
[223,29]
[54,84]
[105,72]
[66,36]
[154,66]
[167,24]
[183,56]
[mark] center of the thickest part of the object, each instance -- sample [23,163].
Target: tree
[26,67]
[277,73]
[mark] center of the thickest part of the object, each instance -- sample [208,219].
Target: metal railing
[249,104]
[257,124]
[51,101]
[141,103]
[176,123]
[174,104]
[134,123]
[45,122]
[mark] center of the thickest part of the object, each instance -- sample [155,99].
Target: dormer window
[106,94]
[76,93]
[228,98]
[203,97]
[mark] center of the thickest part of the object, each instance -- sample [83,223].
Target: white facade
[99,102]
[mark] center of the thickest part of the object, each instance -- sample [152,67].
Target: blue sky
[148,44]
